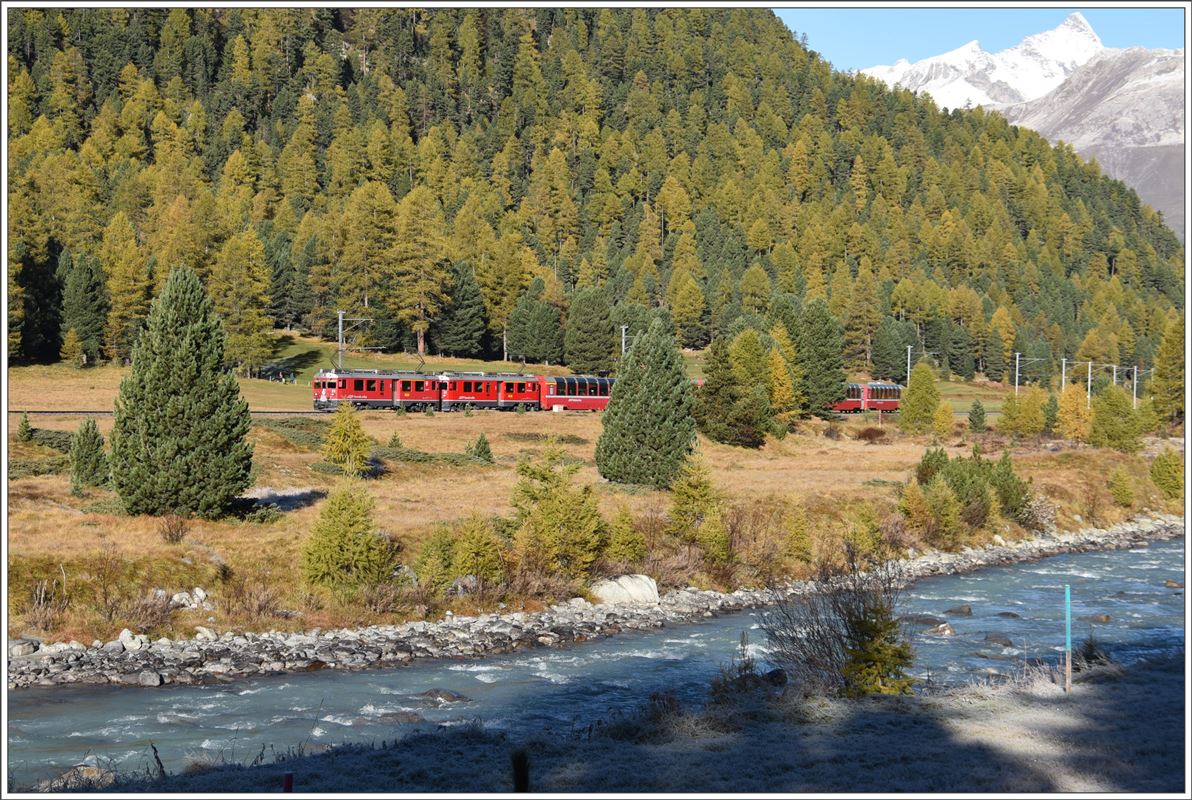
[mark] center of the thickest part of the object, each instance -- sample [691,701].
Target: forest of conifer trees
[487,182]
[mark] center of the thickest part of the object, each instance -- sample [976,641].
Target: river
[566,689]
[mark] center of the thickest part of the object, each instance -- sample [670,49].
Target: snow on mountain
[1126,109]
[969,76]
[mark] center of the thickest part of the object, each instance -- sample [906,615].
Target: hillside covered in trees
[494,181]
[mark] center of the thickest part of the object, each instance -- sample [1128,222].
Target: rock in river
[1102,618]
[635,589]
[444,696]
[960,611]
[997,638]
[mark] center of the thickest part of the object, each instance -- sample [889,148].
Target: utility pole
[624,328]
[1115,374]
[1134,387]
[1017,361]
[909,347]
[1089,400]
[339,353]
[1063,373]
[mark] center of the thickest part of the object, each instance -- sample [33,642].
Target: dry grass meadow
[252,568]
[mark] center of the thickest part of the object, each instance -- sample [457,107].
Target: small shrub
[1115,424]
[34,467]
[1091,502]
[430,412]
[112,506]
[1090,653]
[1013,493]
[384,598]
[1037,515]
[263,515]
[305,432]
[47,604]
[326,468]
[55,440]
[1167,471]
[714,540]
[520,408]
[833,431]
[944,510]
[467,411]
[933,461]
[173,528]
[871,435]
[480,449]
[24,429]
[149,612]
[249,599]
[1051,414]
[1120,488]
[394,441]
[844,638]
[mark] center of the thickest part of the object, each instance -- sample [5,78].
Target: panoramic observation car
[449,391]
[860,397]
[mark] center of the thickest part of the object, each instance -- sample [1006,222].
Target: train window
[419,386]
[593,388]
[358,385]
[521,388]
[560,386]
[405,386]
[466,387]
[343,383]
[509,388]
[370,385]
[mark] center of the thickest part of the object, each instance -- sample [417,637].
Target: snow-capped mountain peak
[969,76]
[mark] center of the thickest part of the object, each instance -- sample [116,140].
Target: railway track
[82,413]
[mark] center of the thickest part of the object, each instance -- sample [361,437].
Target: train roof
[877,385]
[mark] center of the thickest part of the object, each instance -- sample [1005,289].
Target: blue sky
[855,38]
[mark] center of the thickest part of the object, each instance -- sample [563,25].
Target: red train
[446,391]
[860,397]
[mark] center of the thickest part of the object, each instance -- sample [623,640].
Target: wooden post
[521,771]
[1067,639]
[287,782]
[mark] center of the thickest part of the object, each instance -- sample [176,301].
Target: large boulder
[634,589]
[22,647]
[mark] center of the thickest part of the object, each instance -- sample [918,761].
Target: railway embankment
[219,657]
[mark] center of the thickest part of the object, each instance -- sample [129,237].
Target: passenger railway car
[449,391]
[860,397]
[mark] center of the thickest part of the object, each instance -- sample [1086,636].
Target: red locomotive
[860,397]
[447,391]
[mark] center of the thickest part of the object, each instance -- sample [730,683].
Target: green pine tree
[819,355]
[1167,385]
[477,551]
[1115,424]
[976,417]
[461,330]
[880,655]
[1120,488]
[179,442]
[85,306]
[24,429]
[626,544]
[1051,414]
[345,551]
[920,400]
[723,411]
[347,445]
[648,427]
[590,340]
[88,462]
[434,565]
[1167,471]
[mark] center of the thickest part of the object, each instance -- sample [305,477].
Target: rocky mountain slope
[1126,109]
[1122,107]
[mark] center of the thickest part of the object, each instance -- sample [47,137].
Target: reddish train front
[860,397]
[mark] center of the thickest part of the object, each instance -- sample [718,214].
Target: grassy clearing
[824,468]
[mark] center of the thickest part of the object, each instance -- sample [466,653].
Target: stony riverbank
[133,660]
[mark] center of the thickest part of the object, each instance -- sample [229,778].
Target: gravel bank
[134,661]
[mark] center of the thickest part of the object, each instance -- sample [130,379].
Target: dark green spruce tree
[819,352]
[88,462]
[546,334]
[85,305]
[461,330]
[179,446]
[590,339]
[722,411]
[648,427]
[889,351]
[520,334]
